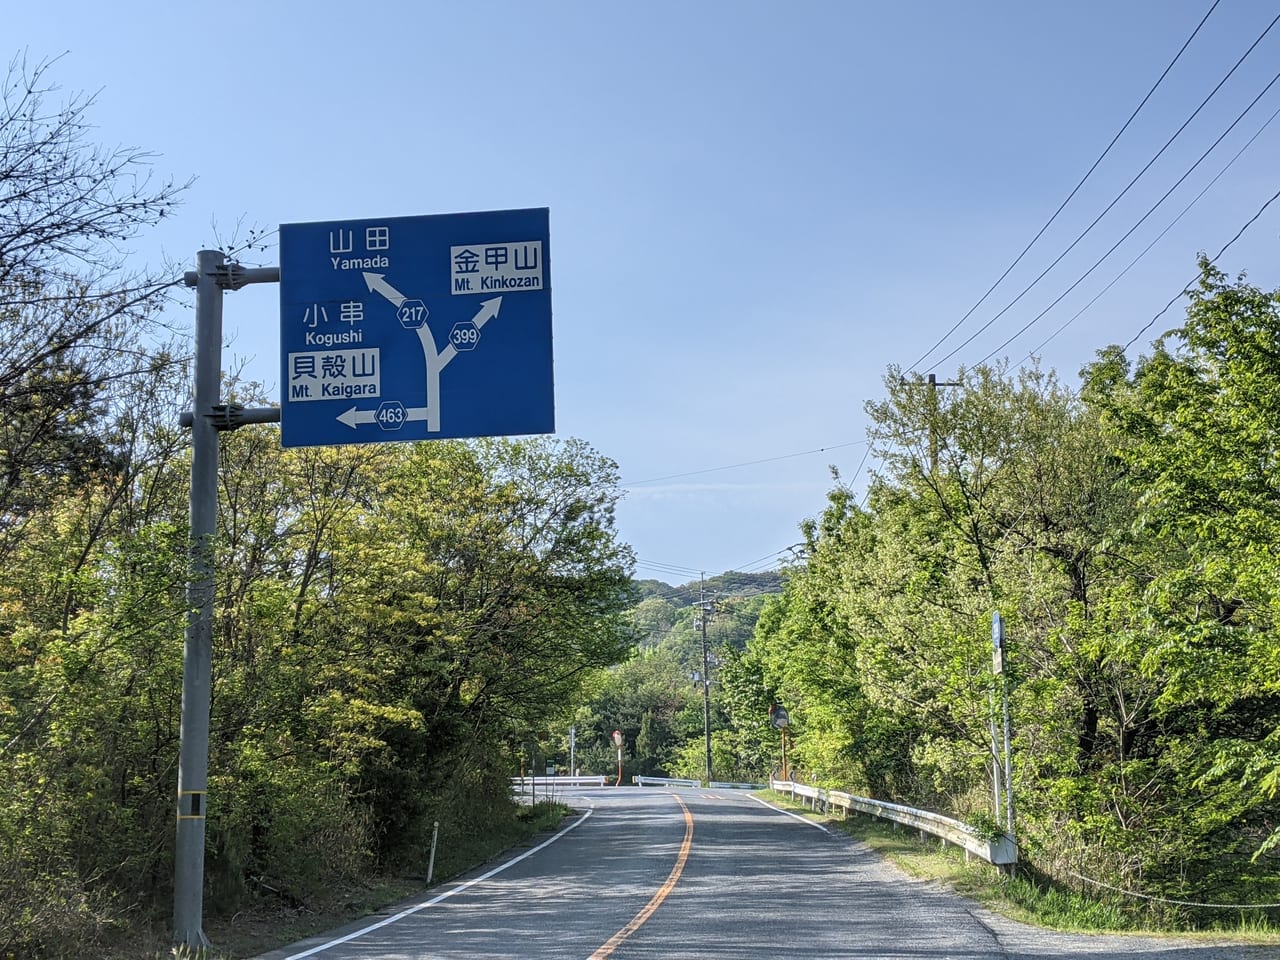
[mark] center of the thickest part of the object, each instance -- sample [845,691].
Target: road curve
[707,874]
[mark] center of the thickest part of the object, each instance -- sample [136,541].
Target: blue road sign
[416,328]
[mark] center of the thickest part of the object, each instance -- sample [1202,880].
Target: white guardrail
[678,782]
[552,782]
[1001,851]
[664,782]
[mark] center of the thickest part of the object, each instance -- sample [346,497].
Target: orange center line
[656,900]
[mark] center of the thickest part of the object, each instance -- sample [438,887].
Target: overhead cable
[762,563]
[747,463]
[1147,249]
[1027,289]
[1128,233]
[668,568]
[1187,289]
[1074,191]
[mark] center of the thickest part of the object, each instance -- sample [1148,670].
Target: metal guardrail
[558,781]
[681,782]
[1000,851]
[664,782]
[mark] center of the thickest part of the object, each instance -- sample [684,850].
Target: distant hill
[731,583]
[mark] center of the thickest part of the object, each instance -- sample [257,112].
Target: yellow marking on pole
[197,804]
[656,900]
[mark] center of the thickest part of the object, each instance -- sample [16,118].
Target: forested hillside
[655,699]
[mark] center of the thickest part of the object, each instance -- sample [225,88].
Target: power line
[1072,194]
[862,463]
[762,562]
[1187,289]
[1160,236]
[792,549]
[677,594]
[1128,233]
[746,463]
[668,567]
[1118,198]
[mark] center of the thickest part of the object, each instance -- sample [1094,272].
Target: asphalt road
[707,874]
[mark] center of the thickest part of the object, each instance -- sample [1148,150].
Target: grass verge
[266,925]
[1022,897]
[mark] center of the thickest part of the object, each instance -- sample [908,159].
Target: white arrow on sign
[438,361]
[435,360]
[488,310]
[354,416]
[378,284]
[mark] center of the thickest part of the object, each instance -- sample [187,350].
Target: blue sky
[755,207]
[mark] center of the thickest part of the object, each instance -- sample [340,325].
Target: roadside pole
[209,415]
[1000,678]
[193,757]
[1008,759]
[779,717]
[704,608]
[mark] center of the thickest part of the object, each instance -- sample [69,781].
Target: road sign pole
[212,276]
[193,756]
[779,718]
[1000,677]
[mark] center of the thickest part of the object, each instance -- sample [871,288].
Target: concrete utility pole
[999,658]
[933,385]
[704,608]
[208,416]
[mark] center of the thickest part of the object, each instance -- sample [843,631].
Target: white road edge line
[785,813]
[444,896]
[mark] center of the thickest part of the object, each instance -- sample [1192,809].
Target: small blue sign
[416,328]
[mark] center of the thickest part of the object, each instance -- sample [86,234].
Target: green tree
[87,387]
[653,618]
[1199,421]
[643,698]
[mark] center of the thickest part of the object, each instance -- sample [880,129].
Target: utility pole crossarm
[233,276]
[232,416]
